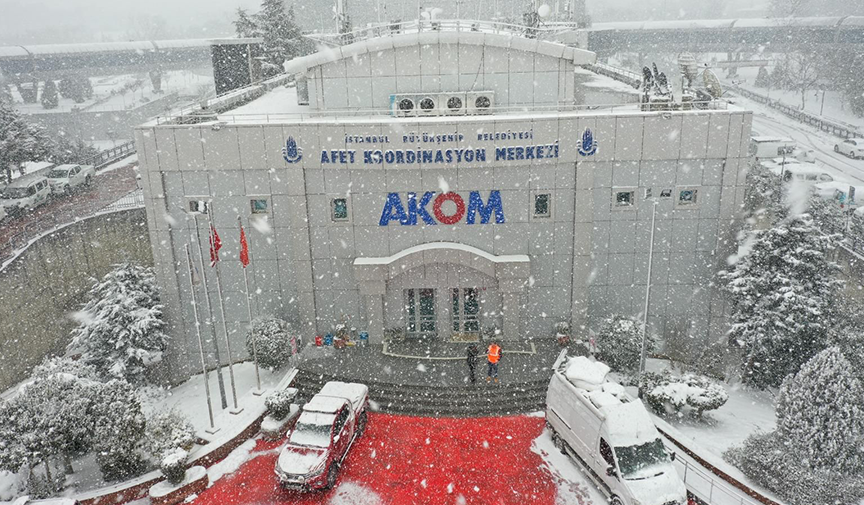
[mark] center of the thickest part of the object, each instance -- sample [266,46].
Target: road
[403,460]
[769,122]
[107,187]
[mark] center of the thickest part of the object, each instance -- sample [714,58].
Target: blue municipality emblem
[588,146]
[291,152]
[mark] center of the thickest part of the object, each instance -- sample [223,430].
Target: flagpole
[236,409]
[213,428]
[210,321]
[249,312]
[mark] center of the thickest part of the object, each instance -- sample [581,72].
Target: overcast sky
[64,21]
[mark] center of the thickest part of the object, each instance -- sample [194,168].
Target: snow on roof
[386,260]
[766,138]
[602,399]
[279,100]
[629,424]
[24,180]
[324,404]
[582,369]
[352,391]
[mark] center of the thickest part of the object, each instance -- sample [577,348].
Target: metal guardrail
[111,155]
[835,128]
[442,25]
[619,74]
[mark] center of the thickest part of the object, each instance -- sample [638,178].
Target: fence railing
[835,128]
[619,74]
[442,25]
[109,156]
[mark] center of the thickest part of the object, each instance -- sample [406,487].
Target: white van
[771,147]
[791,169]
[25,193]
[611,435]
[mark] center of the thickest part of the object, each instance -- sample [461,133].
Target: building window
[648,193]
[688,197]
[339,209]
[259,205]
[198,206]
[666,193]
[624,198]
[542,205]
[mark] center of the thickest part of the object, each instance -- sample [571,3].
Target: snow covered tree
[246,24]
[69,152]
[271,340]
[763,80]
[117,430]
[827,215]
[619,343]
[20,141]
[166,431]
[667,394]
[121,333]
[820,412]
[50,99]
[783,293]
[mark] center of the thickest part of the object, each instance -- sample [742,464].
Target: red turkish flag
[215,245]
[244,248]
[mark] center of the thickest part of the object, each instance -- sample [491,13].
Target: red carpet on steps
[404,460]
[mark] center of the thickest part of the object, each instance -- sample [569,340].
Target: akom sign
[417,205]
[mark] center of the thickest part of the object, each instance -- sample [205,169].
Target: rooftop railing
[441,25]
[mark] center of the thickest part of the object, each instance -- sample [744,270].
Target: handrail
[438,25]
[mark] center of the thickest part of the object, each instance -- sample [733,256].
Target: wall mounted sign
[417,207]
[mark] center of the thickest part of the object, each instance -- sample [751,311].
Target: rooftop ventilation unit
[452,103]
[481,102]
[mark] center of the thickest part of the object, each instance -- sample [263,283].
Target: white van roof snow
[583,370]
[629,424]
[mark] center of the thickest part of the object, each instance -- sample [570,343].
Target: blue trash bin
[364,338]
[328,339]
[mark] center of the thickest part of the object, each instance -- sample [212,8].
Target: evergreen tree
[20,141]
[118,427]
[619,343]
[121,333]
[68,152]
[820,413]
[246,24]
[50,100]
[763,80]
[782,292]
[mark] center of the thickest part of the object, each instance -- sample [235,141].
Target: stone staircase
[439,401]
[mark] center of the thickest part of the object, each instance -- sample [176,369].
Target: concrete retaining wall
[49,280]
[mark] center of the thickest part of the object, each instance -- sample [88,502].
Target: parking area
[107,187]
[403,460]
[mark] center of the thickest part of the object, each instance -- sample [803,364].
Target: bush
[279,403]
[173,466]
[665,393]
[167,431]
[271,340]
[765,459]
[619,343]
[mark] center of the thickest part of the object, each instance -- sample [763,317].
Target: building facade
[440,224]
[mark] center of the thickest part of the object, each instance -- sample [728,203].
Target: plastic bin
[319,340]
[328,339]
[363,338]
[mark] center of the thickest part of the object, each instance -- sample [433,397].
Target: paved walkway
[370,364]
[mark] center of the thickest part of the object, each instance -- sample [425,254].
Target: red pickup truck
[322,437]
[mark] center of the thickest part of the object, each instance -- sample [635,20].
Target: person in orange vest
[493,356]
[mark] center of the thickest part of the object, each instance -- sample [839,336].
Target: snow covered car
[610,434]
[791,169]
[322,437]
[65,178]
[854,148]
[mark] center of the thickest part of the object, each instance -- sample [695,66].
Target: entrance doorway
[420,315]
[466,311]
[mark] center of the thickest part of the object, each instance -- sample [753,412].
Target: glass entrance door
[466,310]
[420,316]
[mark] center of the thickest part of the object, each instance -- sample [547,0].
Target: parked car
[322,437]
[791,169]
[66,178]
[610,434]
[25,193]
[854,148]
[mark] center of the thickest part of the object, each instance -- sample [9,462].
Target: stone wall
[40,289]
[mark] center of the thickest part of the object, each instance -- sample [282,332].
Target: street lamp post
[644,352]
